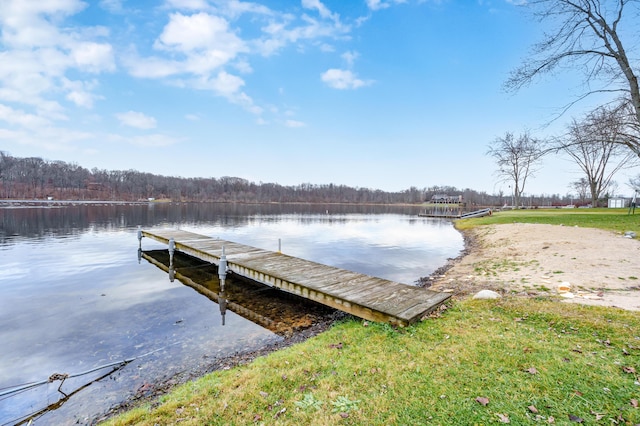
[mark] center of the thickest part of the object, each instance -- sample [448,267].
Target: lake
[77,299]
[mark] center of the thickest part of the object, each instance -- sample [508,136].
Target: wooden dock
[364,296]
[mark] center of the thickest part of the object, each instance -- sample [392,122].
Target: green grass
[561,359]
[611,219]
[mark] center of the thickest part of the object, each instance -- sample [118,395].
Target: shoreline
[162,386]
[470,244]
[14,203]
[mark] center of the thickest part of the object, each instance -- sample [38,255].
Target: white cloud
[83,99]
[113,6]
[151,67]
[376,4]
[350,57]
[11,135]
[343,79]
[284,30]
[243,66]
[25,23]
[235,8]
[198,32]
[226,85]
[20,118]
[93,57]
[137,120]
[187,4]
[79,92]
[320,7]
[223,84]
[39,51]
[327,48]
[382,4]
[200,44]
[294,123]
[246,102]
[48,138]
[49,109]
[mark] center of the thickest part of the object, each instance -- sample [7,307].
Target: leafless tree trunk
[588,36]
[517,159]
[592,143]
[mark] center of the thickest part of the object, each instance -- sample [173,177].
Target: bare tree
[517,159]
[593,144]
[581,186]
[588,36]
[6,164]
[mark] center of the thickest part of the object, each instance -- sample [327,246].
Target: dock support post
[139,237]
[172,249]
[222,302]
[222,269]
[139,243]
[222,275]
[279,245]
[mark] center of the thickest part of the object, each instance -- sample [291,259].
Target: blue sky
[382,94]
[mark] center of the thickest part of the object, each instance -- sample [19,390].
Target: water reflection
[395,247]
[84,302]
[20,222]
[278,311]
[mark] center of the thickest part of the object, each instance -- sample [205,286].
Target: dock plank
[365,296]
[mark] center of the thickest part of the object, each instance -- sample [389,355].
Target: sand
[581,265]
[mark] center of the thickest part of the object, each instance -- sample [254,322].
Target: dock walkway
[364,296]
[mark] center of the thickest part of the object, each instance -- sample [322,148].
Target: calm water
[74,294]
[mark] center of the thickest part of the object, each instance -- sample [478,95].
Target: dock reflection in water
[278,311]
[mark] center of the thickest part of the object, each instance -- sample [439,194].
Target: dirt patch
[599,267]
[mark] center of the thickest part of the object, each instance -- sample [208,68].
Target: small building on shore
[446,199]
[617,202]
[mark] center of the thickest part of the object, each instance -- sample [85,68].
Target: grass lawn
[613,219]
[512,360]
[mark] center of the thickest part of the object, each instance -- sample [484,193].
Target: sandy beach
[581,265]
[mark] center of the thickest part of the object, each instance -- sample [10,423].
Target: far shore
[34,202]
[40,201]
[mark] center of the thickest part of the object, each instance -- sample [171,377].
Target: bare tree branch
[587,35]
[596,144]
[517,159]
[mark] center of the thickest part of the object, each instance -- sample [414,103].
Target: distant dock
[364,296]
[455,214]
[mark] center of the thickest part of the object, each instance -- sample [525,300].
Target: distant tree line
[36,178]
